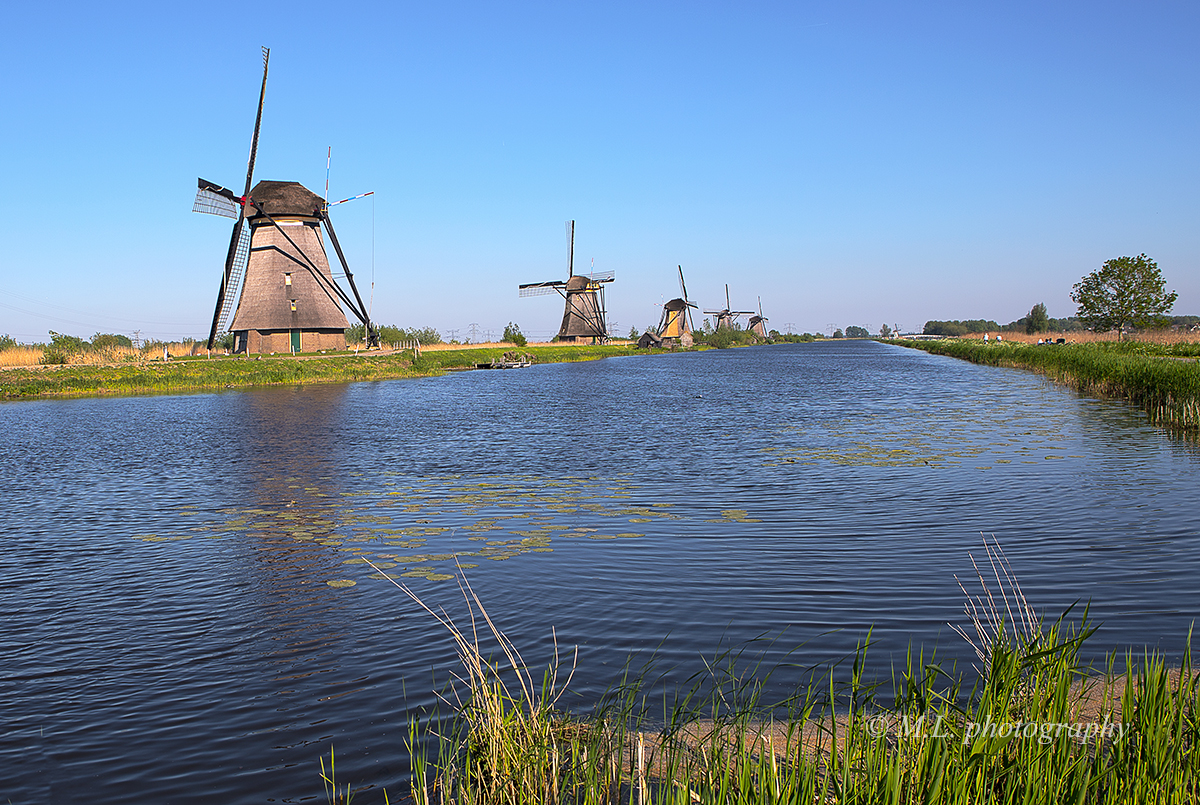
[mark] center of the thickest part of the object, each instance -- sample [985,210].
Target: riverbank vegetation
[201,373]
[1163,378]
[1039,725]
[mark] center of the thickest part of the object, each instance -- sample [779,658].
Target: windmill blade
[540,288]
[241,256]
[224,298]
[570,249]
[686,304]
[213,199]
[760,315]
[727,305]
[352,198]
[262,94]
[601,276]
[239,236]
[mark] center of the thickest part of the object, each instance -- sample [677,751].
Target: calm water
[170,634]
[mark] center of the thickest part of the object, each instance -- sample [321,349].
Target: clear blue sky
[850,163]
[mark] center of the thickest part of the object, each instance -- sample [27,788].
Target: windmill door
[295,340]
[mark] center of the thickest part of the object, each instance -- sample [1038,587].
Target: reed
[1017,736]
[1163,379]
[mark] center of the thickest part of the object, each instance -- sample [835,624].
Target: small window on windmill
[287,278]
[293,305]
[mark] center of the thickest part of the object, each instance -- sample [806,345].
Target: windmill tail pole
[371,333]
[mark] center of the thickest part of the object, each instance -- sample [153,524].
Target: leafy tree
[424,335]
[66,344]
[634,335]
[513,335]
[885,331]
[838,333]
[854,331]
[7,342]
[355,333]
[1124,292]
[225,341]
[110,340]
[1037,321]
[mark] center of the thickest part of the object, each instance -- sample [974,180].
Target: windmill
[758,324]
[277,283]
[583,316]
[726,318]
[675,328]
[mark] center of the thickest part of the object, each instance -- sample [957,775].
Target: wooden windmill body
[675,327]
[288,300]
[726,318]
[584,312]
[758,324]
[286,304]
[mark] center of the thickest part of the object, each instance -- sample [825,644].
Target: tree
[67,344]
[1037,321]
[634,334]
[854,331]
[837,333]
[1124,292]
[110,340]
[513,335]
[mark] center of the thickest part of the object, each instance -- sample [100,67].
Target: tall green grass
[1153,376]
[1015,736]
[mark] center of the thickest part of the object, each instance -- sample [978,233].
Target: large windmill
[288,299]
[727,317]
[583,316]
[675,328]
[758,324]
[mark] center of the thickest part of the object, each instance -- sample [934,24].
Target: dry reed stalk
[986,614]
[21,356]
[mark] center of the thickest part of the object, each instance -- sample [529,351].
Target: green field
[207,374]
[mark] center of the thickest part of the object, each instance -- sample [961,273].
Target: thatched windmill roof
[286,199]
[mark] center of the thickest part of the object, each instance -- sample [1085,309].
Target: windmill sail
[212,203]
[234,281]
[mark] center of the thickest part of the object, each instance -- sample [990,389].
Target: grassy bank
[1163,379]
[1041,726]
[201,374]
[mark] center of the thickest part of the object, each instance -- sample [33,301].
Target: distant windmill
[726,318]
[758,324]
[288,299]
[583,316]
[675,328]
